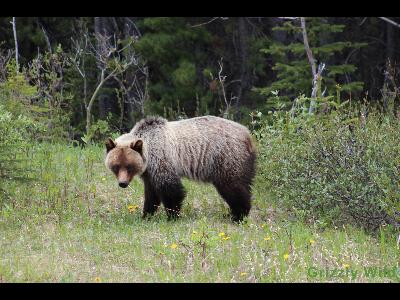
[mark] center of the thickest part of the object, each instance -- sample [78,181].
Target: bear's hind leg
[151,199]
[238,196]
[172,195]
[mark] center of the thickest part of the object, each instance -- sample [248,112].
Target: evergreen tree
[176,56]
[292,69]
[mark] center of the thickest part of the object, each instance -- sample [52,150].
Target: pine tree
[292,69]
[175,54]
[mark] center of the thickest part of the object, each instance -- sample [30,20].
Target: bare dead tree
[112,62]
[316,71]
[243,34]
[307,46]
[390,21]
[5,56]
[288,18]
[210,21]
[46,36]
[135,92]
[14,26]
[134,82]
[222,79]
[80,50]
[117,60]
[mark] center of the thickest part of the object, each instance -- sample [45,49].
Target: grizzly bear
[208,149]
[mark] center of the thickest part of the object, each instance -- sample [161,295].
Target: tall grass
[74,224]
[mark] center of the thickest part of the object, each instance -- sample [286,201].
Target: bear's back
[208,147]
[200,148]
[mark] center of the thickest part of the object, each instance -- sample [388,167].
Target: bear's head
[125,160]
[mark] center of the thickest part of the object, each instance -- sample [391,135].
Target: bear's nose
[123,184]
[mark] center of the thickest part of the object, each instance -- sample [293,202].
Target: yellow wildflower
[194,232]
[133,208]
[221,234]
[267,238]
[263,225]
[346,266]
[243,273]
[225,238]
[97,279]
[286,256]
[103,179]
[173,246]
[312,242]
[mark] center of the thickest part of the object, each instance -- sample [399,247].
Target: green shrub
[16,136]
[333,169]
[15,91]
[98,132]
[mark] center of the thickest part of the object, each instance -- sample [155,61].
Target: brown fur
[207,149]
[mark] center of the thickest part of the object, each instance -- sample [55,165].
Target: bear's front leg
[151,198]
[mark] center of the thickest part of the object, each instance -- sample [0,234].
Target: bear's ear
[110,144]
[137,146]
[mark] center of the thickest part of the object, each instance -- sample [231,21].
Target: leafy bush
[99,131]
[333,168]
[37,98]
[16,136]
[49,73]
[15,91]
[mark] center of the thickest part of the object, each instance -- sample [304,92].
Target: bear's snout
[123,184]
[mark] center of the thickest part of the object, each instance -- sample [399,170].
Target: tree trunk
[128,31]
[389,42]
[244,84]
[14,26]
[108,101]
[46,36]
[90,105]
[311,60]
[142,77]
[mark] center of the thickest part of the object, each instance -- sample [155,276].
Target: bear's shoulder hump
[149,123]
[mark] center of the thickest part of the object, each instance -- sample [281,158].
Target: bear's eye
[115,168]
[130,169]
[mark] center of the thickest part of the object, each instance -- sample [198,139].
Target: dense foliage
[334,168]
[187,66]
[17,133]
[292,66]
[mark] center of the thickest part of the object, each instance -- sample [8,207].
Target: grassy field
[74,224]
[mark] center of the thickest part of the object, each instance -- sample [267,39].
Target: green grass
[74,225]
